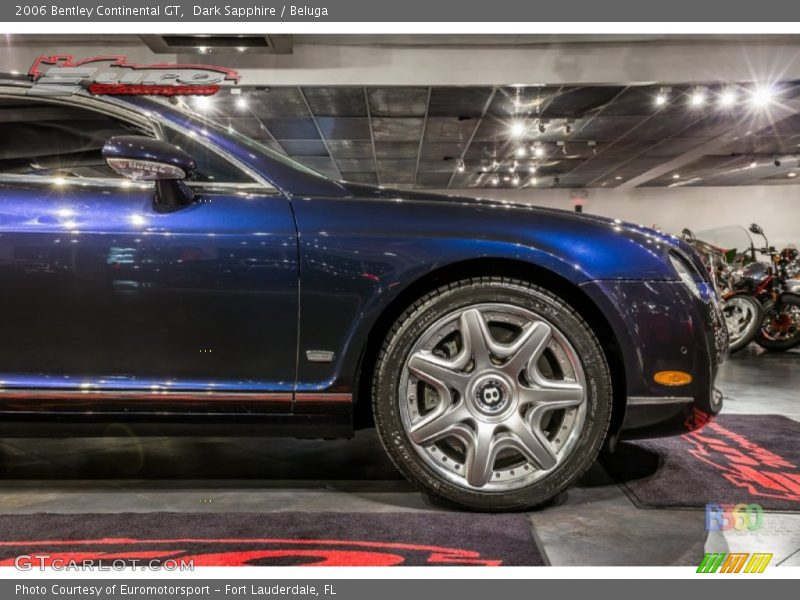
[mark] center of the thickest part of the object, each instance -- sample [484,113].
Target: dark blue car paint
[117,295]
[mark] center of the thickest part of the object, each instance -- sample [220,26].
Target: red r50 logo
[741,517]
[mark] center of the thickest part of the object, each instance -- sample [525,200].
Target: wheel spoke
[552,395]
[528,439]
[476,337]
[529,347]
[442,423]
[481,453]
[438,372]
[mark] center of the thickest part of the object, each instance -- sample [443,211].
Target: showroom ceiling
[585,136]
[483,136]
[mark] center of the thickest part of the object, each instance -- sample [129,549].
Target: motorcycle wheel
[743,317]
[780,328]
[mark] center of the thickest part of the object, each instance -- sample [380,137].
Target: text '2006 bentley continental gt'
[171,275]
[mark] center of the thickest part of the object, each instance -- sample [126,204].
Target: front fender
[358,256]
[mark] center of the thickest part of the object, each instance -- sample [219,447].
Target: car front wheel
[492,393]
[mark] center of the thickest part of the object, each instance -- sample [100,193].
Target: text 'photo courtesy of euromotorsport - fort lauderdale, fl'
[167,11]
[281,292]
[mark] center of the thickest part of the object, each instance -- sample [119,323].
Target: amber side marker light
[672,378]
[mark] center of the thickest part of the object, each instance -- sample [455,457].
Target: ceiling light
[495,180]
[517,129]
[461,166]
[241,48]
[727,99]
[676,176]
[202,103]
[792,174]
[538,152]
[534,181]
[521,152]
[14,72]
[202,49]
[753,164]
[241,102]
[618,177]
[515,180]
[661,100]
[533,168]
[698,98]
[762,95]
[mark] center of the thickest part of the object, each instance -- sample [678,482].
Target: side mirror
[146,159]
[688,235]
[756,228]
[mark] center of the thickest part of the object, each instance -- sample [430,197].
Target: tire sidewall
[419,318]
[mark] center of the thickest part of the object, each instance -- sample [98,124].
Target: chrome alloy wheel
[740,318]
[493,397]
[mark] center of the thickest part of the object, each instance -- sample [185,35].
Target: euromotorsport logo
[115,75]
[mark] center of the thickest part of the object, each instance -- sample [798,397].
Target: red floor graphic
[744,463]
[730,459]
[269,539]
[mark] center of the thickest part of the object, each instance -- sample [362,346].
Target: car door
[105,295]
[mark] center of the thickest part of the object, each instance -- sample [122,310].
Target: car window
[51,139]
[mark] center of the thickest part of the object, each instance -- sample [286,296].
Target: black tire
[753,327]
[773,345]
[431,307]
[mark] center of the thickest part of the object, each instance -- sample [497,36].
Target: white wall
[776,208]
[591,63]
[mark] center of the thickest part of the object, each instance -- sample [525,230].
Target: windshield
[260,148]
[730,237]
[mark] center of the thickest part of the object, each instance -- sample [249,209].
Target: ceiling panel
[305,147]
[577,102]
[449,129]
[459,101]
[397,129]
[350,148]
[336,101]
[293,129]
[398,101]
[344,128]
[277,102]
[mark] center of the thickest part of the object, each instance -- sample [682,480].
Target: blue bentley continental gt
[163,274]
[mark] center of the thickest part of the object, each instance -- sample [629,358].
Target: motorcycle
[742,312]
[777,286]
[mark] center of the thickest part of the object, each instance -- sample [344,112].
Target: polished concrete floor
[593,523]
